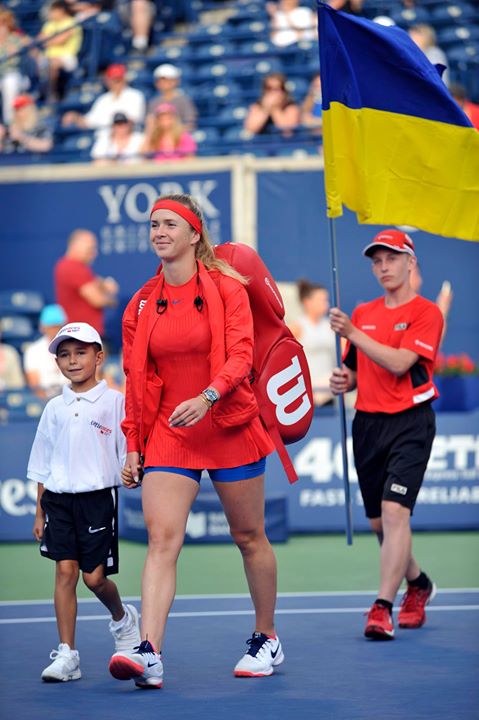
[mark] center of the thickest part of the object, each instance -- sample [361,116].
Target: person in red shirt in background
[82,294]
[471,109]
[188,353]
[391,346]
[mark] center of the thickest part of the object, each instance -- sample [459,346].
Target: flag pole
[342,409]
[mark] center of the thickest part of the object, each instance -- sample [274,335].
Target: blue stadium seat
[460,13]
[464,68]
[14,399]
[211,33]
[405,17]
[214,51]
[22,302]
[249,11]
[78,146]
[237,134]
[31,410]
[206,135]
[258,48]
[80,100]
[457,35]
[17,330]
[300,151]
[298,87]
[213,72]
[233,115]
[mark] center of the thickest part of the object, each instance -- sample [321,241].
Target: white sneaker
[263,655]
[65,665]
[142,664]
[128,635]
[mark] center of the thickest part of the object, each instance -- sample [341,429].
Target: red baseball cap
[115,71]
[393,240]
[22,101]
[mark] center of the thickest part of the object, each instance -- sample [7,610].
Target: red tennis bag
[280,374]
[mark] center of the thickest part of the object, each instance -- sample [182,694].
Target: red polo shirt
[69,276]
[416,325]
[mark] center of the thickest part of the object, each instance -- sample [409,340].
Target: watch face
[211,395]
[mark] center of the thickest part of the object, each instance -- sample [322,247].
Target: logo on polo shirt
[368,327]
[424,345]
[401,326]
[103,430]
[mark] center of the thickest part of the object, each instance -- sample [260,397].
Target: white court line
[239,596]
[233,613]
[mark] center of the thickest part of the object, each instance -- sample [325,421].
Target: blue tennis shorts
[242,472]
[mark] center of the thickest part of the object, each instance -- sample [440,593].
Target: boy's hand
[38,527]
[131,474]
[339,381]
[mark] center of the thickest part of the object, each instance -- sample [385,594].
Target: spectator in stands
[425,38]
[167,79]
[470,109]
[312,108]
[118,98]
[41,370]
[313,330]
[122,144]
[290,22]
[11,375]
[167,139]
[275,109]
[60,55]
[81,293]
[353,7]
[27,131]
[11,80]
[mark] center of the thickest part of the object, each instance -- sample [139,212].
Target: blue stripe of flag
[367,65]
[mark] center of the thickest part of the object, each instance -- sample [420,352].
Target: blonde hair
[158,133]
[204,249]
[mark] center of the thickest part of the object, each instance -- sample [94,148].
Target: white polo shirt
[79,445]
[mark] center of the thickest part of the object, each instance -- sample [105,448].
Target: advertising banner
[449,498]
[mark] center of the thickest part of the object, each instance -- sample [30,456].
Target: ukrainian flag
[398,150]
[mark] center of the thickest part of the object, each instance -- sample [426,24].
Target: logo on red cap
[394,240]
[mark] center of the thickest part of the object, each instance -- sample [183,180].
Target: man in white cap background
[167,80]
[391,346]
[41,370]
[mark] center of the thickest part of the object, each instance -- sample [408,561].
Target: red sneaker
[379,625]
[412,613]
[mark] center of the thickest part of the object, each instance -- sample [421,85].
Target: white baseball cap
[166,71]
[75,331]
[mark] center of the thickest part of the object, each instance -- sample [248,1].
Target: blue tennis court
[330,671]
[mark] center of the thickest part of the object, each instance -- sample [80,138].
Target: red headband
[181,210]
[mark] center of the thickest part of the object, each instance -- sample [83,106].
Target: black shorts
[82,527]
[391,452]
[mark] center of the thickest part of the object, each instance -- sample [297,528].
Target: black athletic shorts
[82,527]
[391,452]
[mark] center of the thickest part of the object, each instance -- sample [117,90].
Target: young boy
[76,459]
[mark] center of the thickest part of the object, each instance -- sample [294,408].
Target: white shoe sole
[53,677]
[265,673]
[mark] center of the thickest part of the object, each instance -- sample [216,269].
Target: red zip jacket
[231,355]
